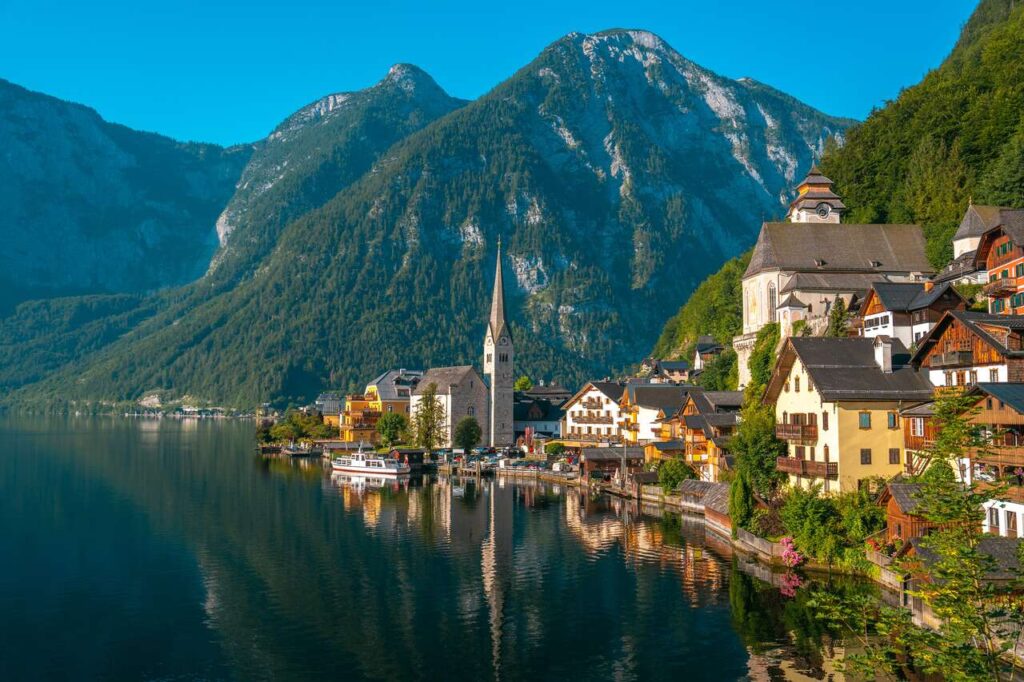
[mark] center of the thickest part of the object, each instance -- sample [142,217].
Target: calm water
[168,550]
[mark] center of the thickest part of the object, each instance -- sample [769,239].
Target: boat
[369,463]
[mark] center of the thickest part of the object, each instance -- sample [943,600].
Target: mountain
[90,206]
[617,173]
[956,135]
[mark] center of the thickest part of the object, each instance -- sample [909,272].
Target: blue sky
[227,71]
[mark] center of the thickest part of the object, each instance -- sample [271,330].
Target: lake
[165,549]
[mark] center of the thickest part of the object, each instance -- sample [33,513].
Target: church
[462,392]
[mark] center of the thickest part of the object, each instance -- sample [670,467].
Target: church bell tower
[498,359]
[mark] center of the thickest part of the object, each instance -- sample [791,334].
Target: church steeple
[499,363]
[497,324]
[815,201]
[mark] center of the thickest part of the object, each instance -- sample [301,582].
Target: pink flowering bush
[790,556]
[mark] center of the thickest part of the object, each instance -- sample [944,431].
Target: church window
[471,411]
[771,301]
[489,356]
[796,384]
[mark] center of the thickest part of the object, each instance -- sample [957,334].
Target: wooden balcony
[593,438]
[804,433]
[805,467]
[593,419]
[592,404]
[1001,287]
[956,358]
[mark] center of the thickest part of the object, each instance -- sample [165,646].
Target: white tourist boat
[369,464]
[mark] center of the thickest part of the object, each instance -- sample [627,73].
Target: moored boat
[369,463]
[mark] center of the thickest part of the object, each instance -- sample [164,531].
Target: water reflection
[282,570]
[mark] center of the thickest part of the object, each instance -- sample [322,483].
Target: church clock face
[504,341]
[824,210]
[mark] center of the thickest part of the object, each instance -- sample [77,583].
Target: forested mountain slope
[617,173]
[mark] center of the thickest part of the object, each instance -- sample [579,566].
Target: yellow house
[837,405]
[388,393]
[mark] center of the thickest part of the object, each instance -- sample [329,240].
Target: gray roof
[1010,394]
[845,369]
[389,383]
[722,418]
[444,377]
[609,388]
[717,498]
[706,344]
[835,283]
[961,266]
[901,297]
[668,397]
[549,411]
[1005,551]
[695,488]
[791,301]
[979,219]
[663,445]
[646,477]
[828,247]
[720,399]
[905,495]
[610,454]
[920,410]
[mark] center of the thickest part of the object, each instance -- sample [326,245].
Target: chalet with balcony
[919,434]
[705,424]
[837,405]
[902,522]
[592,415]
[964,268]
[1000,253]
[906,310]
[965,348]
[643,405]
[813,260]
[387,393]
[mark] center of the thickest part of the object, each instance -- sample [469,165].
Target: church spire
[497,324]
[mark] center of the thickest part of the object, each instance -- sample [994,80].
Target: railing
[592,404]
[594,437]
[797,432]
[806,467]
[1001,287]
[592,419]
[952,358]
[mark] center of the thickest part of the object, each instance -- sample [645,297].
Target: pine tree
[838,319]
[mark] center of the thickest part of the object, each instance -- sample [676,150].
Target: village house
[919,433]
[966,347]
[642,405]
[461,393]
[593,415]
[551,392]
[329,404]
[665,371]
[706,350]
[906,310]
[837,405]
[388,393]
[799,268]
[607,462]
[699,432]
[536,418]
[1001,255]
[902,523]
[964,268]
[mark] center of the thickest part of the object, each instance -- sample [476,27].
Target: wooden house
[965,348]
[900,501]
[1000,253]
[906,310]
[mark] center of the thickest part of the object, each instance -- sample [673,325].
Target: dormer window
[820,262]
[876,264]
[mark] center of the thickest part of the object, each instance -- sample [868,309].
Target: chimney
[929,285]
[883,353]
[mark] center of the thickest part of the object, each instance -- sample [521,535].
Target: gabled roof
[549,412]
[444,377]
[979,219]
[706,344]
[723,400]
[902,297]
[845,369]
[610,454]
[973,321]
[389,383]
[828,247]
[1009,394]
[695,488]
[791,301]
[668,397]
[904,494]
[1004,550]
[717,498]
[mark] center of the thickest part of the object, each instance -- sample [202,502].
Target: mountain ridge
[616,171]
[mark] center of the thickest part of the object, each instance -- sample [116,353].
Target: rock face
[616,172]
[90,206]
